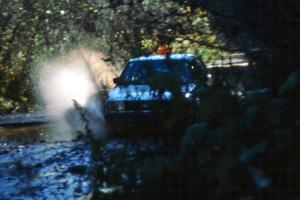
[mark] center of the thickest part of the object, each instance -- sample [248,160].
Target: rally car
[142,92]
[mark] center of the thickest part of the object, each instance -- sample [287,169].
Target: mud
[41,171]
[34,166]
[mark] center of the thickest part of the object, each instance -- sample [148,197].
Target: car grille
[145,105]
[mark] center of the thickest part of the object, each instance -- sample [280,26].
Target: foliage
[267,31]
[29,29]
[236,150]
[138,27]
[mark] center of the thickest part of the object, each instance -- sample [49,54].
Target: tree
[269,26]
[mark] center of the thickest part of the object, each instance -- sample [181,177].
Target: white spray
[74,76]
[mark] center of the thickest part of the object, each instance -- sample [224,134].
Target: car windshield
[141,72]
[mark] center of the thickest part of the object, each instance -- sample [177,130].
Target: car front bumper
[132,120]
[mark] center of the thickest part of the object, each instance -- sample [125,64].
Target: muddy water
[30,134]
[42,171]
[35,166]
[26,134]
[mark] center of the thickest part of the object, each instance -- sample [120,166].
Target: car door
[199,71]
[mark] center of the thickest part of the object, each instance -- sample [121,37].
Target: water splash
[78,75]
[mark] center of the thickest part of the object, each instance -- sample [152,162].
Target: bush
[241,148]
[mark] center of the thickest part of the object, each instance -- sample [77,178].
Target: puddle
[26,134]
[42,171]
[36,133]
[34,165]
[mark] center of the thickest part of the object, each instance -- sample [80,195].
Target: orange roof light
[163,49]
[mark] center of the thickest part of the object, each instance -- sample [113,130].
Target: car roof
[178,56]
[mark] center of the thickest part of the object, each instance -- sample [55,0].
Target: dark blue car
[143,92]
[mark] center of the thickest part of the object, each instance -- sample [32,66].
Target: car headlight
[116,106]
[188,95]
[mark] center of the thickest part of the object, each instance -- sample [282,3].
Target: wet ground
[42,171]
[35,166]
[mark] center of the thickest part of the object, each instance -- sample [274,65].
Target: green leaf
[290,84]
[250,116]
[204,157]
[258,94]
[225,167]
[23,99]
[274,111]
[249,154]
[193,136]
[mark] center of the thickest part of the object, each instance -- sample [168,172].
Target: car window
[136,73]
[198,69]
[140,72]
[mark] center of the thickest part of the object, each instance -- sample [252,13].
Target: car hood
[143,93]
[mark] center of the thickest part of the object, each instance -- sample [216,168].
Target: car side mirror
[209,79]
[116,80]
